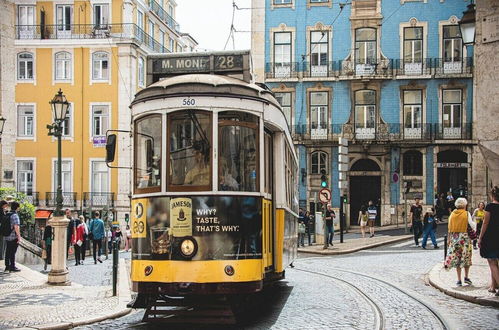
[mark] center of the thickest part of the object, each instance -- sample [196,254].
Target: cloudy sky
[208,21]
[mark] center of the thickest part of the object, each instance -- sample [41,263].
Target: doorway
[362,190]
[453,173]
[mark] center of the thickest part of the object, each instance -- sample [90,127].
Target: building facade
[95,51]
[392,77]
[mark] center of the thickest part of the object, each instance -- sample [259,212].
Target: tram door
[268,205]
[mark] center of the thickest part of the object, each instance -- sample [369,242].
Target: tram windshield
[148,153]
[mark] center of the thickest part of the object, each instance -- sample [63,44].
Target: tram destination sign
[199,64]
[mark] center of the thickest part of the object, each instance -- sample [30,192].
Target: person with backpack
[12,238]
[4,209]
[429,228]
[96,234]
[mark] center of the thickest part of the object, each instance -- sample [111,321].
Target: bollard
[445,246]
[115,266]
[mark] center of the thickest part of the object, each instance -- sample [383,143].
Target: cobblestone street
[378,288]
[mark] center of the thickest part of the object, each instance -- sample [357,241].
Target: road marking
[439,240]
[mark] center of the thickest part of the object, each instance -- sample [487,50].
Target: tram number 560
[188,101]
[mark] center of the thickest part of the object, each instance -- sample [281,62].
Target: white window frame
[320,132]
[91,172]
[412,130]
[91,118]
[290,106]
[109,63]
[364,131]
[319,69]
[103,24]
[54,176]
[150,30]
[162,36]
[319,163]
[141,70]
[16,171]
[26,80]
[60,29]
[33,137]
[28,28]
[69,62]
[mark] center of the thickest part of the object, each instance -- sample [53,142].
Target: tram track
[380,320]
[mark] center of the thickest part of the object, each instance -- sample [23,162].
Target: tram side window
[238,162]
[148,153]
[189,151]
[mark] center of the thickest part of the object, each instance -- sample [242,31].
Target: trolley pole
[341,218]
[324,224]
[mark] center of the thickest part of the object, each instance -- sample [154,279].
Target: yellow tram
[214,201]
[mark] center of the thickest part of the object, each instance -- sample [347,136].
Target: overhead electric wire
[232,29]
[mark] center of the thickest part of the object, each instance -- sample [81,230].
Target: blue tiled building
[392,77]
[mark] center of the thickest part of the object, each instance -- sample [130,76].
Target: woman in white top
[128,241]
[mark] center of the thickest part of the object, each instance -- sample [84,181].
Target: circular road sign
[325,195]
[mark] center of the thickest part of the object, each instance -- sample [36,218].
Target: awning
[42,214]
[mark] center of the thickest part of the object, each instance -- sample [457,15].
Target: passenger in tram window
[227,181]
[199,174]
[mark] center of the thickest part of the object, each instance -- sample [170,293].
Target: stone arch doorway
[365,185]
[452,173]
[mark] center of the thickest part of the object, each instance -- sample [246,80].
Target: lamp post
[467,25]
[60,107]
[2,124]
[58,274]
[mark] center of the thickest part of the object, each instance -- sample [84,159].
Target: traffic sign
[325,195]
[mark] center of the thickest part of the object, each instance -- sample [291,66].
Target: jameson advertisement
[216,228]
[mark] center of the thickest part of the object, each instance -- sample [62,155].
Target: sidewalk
[27,301]
[445,281]
[354,242]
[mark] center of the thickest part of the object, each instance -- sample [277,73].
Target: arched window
[100,66]
[62,66]
[413,163]
[25,66]
[319,162]
[365,113]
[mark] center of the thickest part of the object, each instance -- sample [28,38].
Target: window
[412,113]
[26,22]
[151,34]
[140,25]
[319,53]
[413,163]
[269,157]
[141,71]
[170,10]
[413,44]
[452,108]
[365,46]
[319,114]
[148,153]
[282,54]
[101,15]
[63,19]
[162,38]
[172,45]
[365,113]
[284,100]
[62,66]
[238,163]
[67,176]
[100,120]
[66,124]
[25,121]
[25,66]
[452,43]
[189,150]
[100,63]
[282,2]
[100,177]
[25,176]
[319,162]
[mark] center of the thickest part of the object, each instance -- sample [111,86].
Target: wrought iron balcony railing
[125,31]
[413,68]
[457,66]
[453,132]
[326,69]
[98,199]
[68,199]
[165,17]
[380,68]
[33,197]
[282,70]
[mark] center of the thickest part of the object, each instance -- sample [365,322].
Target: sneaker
[95,262]
[467,281]
[459,283]
[372,235]
[76,264]
[99,260]
[424,247]
[15,269]
[436,247]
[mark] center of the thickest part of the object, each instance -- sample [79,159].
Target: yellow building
[95,51]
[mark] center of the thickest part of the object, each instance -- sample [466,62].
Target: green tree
[26,210]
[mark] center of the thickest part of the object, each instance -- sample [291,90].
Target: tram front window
[148,153]
[238,152]
[190,150]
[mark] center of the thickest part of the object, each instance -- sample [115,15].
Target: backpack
[5,227]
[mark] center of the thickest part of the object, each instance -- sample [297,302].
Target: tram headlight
[188,248]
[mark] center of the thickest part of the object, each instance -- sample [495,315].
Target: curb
[366,247]
[432,278]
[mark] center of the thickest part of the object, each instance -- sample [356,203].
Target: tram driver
[199,174]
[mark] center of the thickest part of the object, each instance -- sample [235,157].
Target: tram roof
[205,84]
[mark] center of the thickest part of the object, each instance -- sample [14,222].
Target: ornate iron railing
[164,16]
[98,199]
[68,199]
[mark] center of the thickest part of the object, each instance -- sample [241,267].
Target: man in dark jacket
[13,239]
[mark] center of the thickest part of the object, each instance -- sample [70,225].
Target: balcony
[326,69]
[33,198]
[98,199]
[68,199]
[413,68]
[164,16]
[453,132]
[453,67]
[128,31]
[373,68]
[282,70]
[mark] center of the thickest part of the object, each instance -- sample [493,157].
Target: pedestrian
[478,216]
[429,229]
[329,234]
[128,242]
[439,207]
[71,230]
[372,213]
[488,240]
[47,244]
[300,220]
[301,233]
[415,216]
[78,241]
[460,246]
[83,249]
[362,220]
[306,221]
[109,240]
[96,232]
[12,239]
[118,237]
[450,202]
[4,209]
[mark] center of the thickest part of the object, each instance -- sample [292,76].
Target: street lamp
[59,106]
[467,25]
[2,124]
